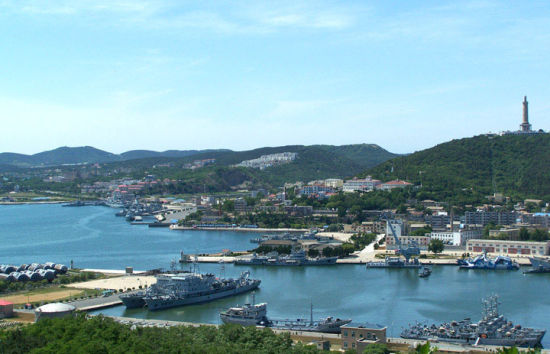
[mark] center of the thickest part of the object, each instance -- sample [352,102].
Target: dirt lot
[37,297]
[116,283]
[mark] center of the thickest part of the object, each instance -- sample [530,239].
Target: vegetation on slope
[514,165]
[103,335]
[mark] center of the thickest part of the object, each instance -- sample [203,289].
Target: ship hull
[305,326]
[133,301]
[540,263]
[239,321]
[155,304]
[321,262]
[505,342]
[489,267]
[389,265]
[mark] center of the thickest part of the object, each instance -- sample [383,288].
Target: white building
[363,185]
[335,183]
[265,161]
[455,238]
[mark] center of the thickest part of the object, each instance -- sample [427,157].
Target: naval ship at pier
[492,329]
[295,258]
[256,315]
[173,290]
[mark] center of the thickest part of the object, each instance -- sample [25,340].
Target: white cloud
[234,18]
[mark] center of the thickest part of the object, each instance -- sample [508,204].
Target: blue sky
[406,75]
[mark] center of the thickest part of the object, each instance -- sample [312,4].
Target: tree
[228,205]
[334,227]
[376,348]
[421,232]
[312,252]
[487,228]
[425,348]
[402,209]
[531,207]
[436,246]
[523,234]
[539,235]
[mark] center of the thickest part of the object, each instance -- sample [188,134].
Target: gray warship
[539,265]
[133,300]
[172,290]
[492,329]
[287,236]
[295,258]
[256,315]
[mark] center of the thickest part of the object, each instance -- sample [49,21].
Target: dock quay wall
[238,229]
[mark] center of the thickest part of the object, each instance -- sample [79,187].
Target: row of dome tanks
[31,272]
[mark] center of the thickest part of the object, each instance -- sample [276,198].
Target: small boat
[539,265]
[425,272]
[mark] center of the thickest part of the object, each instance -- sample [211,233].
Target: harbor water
[94,238]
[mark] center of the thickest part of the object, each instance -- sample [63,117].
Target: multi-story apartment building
[486,217]
[315,189]
[438,222]
[537,219]
[421,241]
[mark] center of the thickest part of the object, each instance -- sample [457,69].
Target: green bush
[103,335]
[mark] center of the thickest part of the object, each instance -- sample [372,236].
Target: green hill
[87,154]
[312,162]
[517,166]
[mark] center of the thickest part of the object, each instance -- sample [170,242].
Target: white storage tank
[53,311]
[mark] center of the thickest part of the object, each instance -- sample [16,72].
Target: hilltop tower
[525,127]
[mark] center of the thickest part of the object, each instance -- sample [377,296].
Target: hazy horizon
[171,75]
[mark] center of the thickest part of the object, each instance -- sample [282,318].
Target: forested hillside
[511,164]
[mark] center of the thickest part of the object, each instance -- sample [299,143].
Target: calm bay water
[94,238]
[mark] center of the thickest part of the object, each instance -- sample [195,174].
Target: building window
[345,344]
[345,333]
[353,334]
[353,345]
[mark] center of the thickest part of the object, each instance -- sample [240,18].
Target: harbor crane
[408,252]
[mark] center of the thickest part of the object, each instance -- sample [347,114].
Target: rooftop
[56,307]
[363,325]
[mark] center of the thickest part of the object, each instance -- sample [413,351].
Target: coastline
[37,202]
[239,229]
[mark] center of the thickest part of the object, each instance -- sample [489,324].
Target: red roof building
[6,309]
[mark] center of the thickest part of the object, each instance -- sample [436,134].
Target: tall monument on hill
[525,126]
